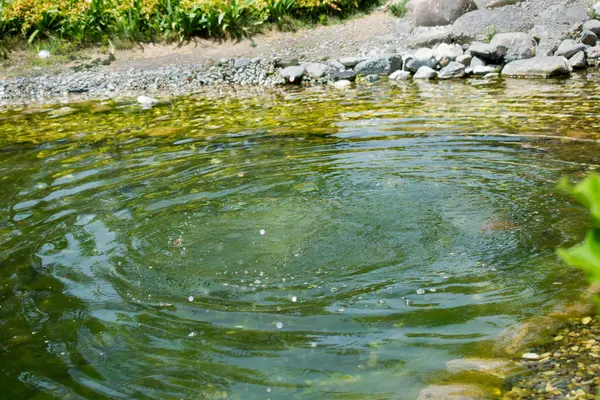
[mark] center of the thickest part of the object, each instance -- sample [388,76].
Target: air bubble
[279,325]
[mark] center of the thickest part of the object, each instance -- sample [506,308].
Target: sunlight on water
[292,244]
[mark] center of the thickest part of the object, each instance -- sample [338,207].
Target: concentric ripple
[287,244]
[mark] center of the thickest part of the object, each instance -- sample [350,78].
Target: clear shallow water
[275,245]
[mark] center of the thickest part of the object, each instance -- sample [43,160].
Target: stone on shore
[589,38]
[350,62]
[453,392]
[452,70]
[343,84]
[445,53]
[286,62]
[592,25]
[518,45]
[538,67]
[500,368]
[476,62]
[422,57]
[485,69]
[477,25]
[425,73]
[317,70]
[343,75]
[379,66]
[487,52]
[400,76]
[440,12]
[146,101]
[496,3]
[422,37]
[465,59]
[293,74]
[568,48]
[242,63]
[578,61]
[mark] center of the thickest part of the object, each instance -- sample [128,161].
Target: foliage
[587,254]
[85,21]
[399,9]
[490,31]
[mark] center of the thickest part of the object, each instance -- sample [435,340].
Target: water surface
[286,244]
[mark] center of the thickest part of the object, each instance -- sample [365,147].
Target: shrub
[399,9]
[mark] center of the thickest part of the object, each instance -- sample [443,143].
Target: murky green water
[276,245]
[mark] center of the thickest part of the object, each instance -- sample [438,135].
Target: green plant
[489,32]
[587,254]
[399,9]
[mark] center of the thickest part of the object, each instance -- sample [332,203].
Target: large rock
[561,14]
[421,57]
[495,3]
[445,53]
[479,25]
[588,38]
[425,73]
[487,52]
[342,75]
[592,25]
[400,76]
[440,12]
[350,62]
[293,74]
[317,70]
[453,392]
[568,48]
[538,67]
[425,37]
[452,70]
[578,61]
[518,45]
[379,66]
[485,69]
[465,59]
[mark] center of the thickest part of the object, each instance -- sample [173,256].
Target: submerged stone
[538,67]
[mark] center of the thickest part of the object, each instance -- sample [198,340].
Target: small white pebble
[279,325]
[191,298]
[294,299]
[192,334]
[262,232]
[268,390]
[531,356]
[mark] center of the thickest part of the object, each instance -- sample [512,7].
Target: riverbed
[293,243]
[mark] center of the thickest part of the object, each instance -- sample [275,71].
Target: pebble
[531,356]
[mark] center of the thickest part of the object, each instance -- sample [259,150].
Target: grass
[124,23]
[399,8]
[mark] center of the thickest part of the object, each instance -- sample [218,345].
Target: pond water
[286,244]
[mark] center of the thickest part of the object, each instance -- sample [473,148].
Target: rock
[421,57]
[589,38]
[337,65]
[146,101]
[465,59]
[538,67]
[485,69]
[518,45]
[516,338]
[425,37]
[568,48]
[402,27]
[593,55]
[372,78]
[531,356]
[43,54]
[342,84]
[293,74]
[425,72]
[592,25]
[476,62]
[286,62]
[317,70]
[350,62]
[497,367]
[444,53]
[379,66]
[453,392]
[452,70]
[62,112]
[242,63]
[440,12]
[487,52]
[496,3]
[564,15]
[400,76]
[492,75]
[343,75]
[479,25]
[578,60]
[596,8]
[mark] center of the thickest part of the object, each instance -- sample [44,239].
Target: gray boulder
[293,74]
[350,62]
[589,38]
[478,25]
[485,69]
[425,73]
[465,59]
[286,62]
[496,3]
[317,70]
[477,62]
[593,55]
[400,76]
[444,53]
[487,52]
[425,37]
[342,75]
[336,64]
[568,48]
[421,57]
[592,25]
[242,63]
[559,13]
[452,70]
[538,67]
[518,45]
[578,61]
[379,66]
[440,12]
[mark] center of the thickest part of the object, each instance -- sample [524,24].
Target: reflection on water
[292,244]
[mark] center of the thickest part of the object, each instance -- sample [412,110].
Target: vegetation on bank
[587,254]
[93,21]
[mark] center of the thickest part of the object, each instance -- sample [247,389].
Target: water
[289,244]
